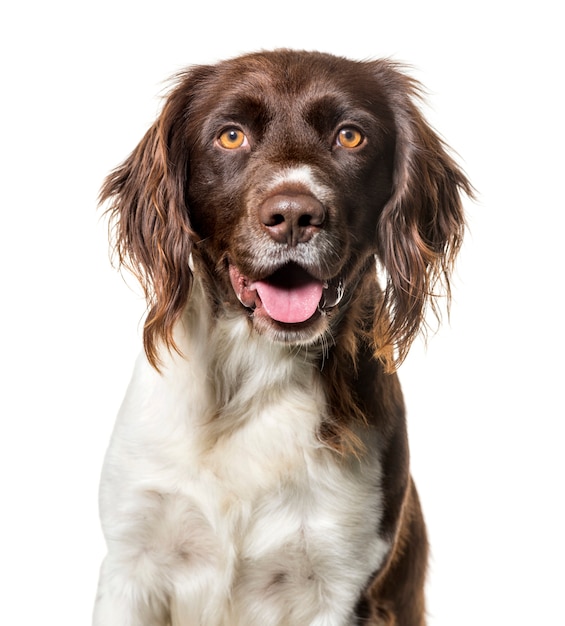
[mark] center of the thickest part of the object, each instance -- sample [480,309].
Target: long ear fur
[421,228]
[149,222]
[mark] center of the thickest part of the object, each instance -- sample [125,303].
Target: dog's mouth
[290,295]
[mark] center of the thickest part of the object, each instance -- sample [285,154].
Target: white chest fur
[219,504]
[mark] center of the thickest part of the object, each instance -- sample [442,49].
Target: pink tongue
[293,303]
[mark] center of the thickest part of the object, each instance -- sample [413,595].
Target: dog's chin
[289,305]
[305,333]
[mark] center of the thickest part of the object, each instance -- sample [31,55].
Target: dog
[291,216]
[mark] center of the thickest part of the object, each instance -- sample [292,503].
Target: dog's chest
[234,506]
[280,524]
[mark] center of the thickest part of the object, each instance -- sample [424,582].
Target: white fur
[303,175]
[219,504]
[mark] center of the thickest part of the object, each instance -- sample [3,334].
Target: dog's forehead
[286,72]
[285,79]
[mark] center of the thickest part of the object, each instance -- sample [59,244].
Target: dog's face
[284,174]
[289,172]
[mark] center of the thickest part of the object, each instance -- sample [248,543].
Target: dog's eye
[232,138]
[350,137]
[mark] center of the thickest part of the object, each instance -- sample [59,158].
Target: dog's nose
[292,218]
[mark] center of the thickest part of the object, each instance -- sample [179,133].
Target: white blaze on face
[303,176]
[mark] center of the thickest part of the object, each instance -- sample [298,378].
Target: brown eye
[232,138]
[350,138]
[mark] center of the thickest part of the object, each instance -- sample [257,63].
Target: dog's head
[284,174]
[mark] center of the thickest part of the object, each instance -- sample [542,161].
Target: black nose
[292,218]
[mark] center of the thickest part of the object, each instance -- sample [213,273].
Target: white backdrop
[80,85]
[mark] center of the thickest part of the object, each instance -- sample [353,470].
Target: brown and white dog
[258,474]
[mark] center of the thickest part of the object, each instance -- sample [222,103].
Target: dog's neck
[242,366]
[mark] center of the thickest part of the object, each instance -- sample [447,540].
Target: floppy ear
[149,222]
[421,227]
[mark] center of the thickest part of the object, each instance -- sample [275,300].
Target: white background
[79,87]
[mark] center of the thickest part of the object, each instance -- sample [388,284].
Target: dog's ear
[149,220]
[421,227]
